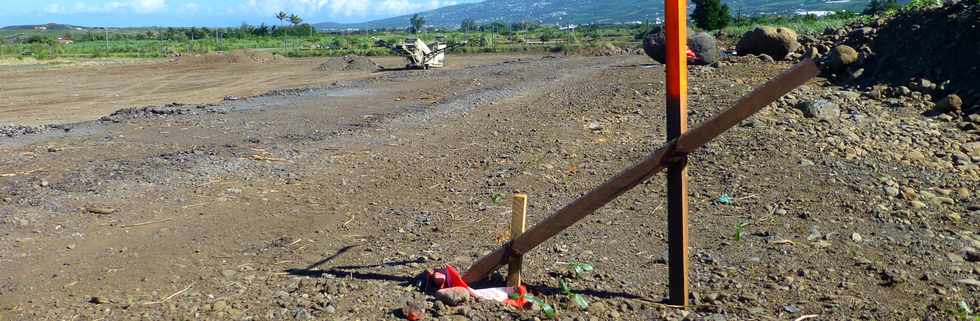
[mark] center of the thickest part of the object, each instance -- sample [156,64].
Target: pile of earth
[932,51]
[349,63]
[231,57]
[608,49]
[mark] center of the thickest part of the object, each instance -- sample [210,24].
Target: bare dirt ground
[38,95]
[324,203]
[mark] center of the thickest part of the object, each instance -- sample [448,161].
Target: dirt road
[55,95]
[325,203]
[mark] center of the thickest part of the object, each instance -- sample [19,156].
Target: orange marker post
[677,234]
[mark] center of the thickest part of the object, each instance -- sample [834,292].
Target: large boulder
[843,56]
[775,42]
[704,45]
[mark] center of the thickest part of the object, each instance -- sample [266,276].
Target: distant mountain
[566,12]
[49,26]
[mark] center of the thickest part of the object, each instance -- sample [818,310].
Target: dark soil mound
[349,64]
[940,45]
[935,51]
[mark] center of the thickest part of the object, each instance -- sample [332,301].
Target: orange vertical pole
[677,228]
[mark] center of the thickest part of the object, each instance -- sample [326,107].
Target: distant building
[40,28]
[65,40]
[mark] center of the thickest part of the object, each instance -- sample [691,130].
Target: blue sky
[120,13]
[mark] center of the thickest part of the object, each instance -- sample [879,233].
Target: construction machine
[418,54]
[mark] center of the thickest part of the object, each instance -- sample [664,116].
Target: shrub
[881,6]
[711,14]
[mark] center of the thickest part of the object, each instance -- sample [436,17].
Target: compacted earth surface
[326,202]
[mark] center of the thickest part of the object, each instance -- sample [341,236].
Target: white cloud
[189,8]
[137,6]
[345,8]
[147,6]
[55,8]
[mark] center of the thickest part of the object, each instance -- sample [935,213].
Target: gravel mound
[20,130]
[232,57]
[349,63]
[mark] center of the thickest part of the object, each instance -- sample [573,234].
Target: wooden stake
[652,164]
[676,64]
[517,225]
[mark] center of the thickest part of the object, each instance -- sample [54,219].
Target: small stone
[791,309]
[917,204]
[598,308]
[98,300]
[595,126]
[925,84]
[301,314]
[892,191]
[821,109]
[856,237]
[228,273]
[453,296]
[964,193]
[903,91]
[330,310]
[614,314]
[916,156]
[219,306]
[951,103]
[712,297]
[101,210]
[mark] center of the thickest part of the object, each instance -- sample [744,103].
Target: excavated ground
[325,203]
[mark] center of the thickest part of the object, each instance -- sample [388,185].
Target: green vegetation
[575,271]
[740,231]
[802,24]
[294,38]
[711,14]
[881,6]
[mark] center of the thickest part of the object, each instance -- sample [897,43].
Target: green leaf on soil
[548,310]
[580,301]
[580,268]
[563,286]
[740,231]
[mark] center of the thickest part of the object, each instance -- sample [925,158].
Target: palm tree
[282,16]
[295,20]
